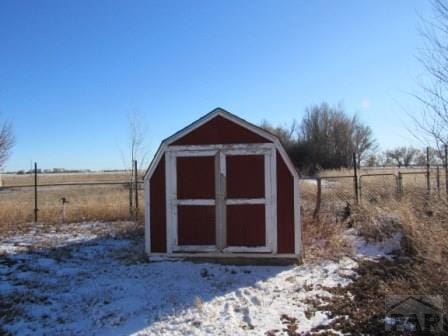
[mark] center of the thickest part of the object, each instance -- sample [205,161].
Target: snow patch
[82,284]
[374,250]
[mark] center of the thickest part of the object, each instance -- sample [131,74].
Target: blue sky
[72,71]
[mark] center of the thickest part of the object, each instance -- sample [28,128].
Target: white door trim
[172,202]
[220,152]
[270,198]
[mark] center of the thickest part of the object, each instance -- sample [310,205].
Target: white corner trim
[147,193]
[171,208]
[272,200]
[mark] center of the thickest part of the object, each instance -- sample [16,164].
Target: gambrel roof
[220,112]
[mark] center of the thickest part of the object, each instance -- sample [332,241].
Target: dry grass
[28,179]
[381,212]
[421,217]
[95,202]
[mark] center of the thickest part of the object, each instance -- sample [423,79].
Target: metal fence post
[130,196]
[35,192]
[136,187]
[428,177]
[438,180]
[400,183]
[355,178]
[131,190]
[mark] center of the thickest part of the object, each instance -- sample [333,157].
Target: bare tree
[432,122]
[402,156]
[136,147]
[331,137]
[286,134]
[136,152]
[6,142]
[325,138]
[364,143]
[436,157]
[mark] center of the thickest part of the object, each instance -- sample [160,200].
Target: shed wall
[285,207]
[220,130]
[158,208]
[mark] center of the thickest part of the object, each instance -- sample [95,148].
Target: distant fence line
[438,174]
[358,179]
[134,184]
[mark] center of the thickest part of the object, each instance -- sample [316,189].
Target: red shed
[222,187]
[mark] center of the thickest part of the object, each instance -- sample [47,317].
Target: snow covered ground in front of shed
[80,282]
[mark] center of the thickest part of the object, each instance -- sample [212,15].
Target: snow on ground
[374,250]
[75,281]
[324,182]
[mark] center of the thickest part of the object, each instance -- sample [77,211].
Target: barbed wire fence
[121,198]
[37,200]
[335,193]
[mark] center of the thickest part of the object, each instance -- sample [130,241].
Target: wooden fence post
[400,183]
[438,180]
[446,169]
[35,192]
[318,198]
[355,178]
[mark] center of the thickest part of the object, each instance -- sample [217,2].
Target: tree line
[327,137]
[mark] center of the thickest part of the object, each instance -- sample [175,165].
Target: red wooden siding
[196,177]
[158,208]
[246,225]
[196,225]
[220,130]
[285,207]
[245,176]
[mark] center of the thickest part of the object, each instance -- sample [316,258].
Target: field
[85,202]
[111,201]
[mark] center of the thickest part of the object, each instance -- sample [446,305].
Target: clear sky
[72,71]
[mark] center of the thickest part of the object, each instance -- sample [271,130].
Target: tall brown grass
[421,217]
[94,202]
[28,179]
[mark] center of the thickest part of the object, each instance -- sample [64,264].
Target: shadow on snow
[107,286]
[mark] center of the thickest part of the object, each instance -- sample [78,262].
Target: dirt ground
[363,301]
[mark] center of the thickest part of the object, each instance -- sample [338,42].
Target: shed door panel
[246,225]
[195,177]
[245,176]
[196,225]
[245,201]
[196,202]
